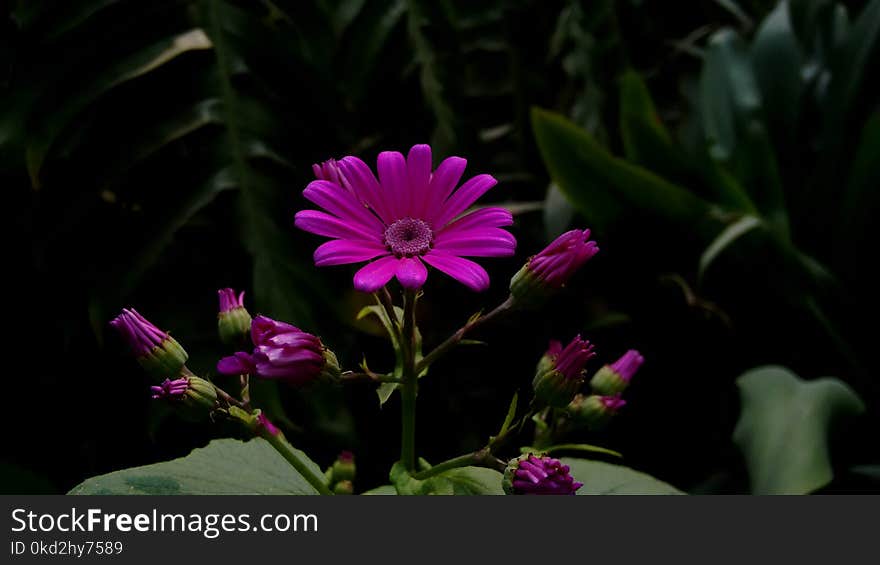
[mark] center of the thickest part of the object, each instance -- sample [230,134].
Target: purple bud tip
[264,423]
[170,389]
[613,403]
[228,299]
[571,360]
[346,457]
[558,262]
[543,475]
[140,335]
[628,364]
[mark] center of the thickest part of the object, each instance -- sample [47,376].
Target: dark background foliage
[153,152]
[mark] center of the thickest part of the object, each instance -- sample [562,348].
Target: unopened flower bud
[560,372]
[343,468]
[594,410]
[538,474]
[156,351]
[282,352]
[233,320]
[548,271]
[195,396]
[614,378]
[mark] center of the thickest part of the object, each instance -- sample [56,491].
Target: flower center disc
[409,237]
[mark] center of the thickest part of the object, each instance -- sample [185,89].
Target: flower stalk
[409,386]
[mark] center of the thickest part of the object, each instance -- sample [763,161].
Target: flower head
[170,389]
[531,474]
[406,218]
[156,351]
[282,352]
[614,378]
[233,320]
[229,301]
[195,396]
[548,271]
[560,372]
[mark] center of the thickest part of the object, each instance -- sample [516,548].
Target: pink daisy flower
[405,219]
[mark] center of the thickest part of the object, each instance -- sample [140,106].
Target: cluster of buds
[282,352]
[163,358]
[548,271]
[538,474]
[596,410]
[340,475]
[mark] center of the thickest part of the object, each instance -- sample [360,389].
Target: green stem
[455,338]
[296,461]
[408,388]
[481,458]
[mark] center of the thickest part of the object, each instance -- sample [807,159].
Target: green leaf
[731,108]
[602,186]
[383,490]
[783,428]
[777,60]
[725,239]
[225,466]
[606,478]
[728,92]
[461,481]
[511,414]
[121,71]
[646,141]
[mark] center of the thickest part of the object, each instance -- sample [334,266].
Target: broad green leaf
[783,428]
[461,481]
[225,466]
[383,490]
[602,186]
[606,478]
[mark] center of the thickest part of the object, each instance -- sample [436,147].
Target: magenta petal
[237,364]
[365,184]
[464,271]
[393,180]
[466,195]
[411,272]
[343,251]
[418,168]
[341,204]
[492,217]
[321,223]
[443,182]
[373,276]
[477,242]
